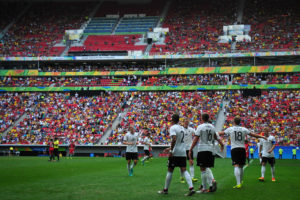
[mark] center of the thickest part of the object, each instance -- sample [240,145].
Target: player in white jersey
[205,159]
[177,156]
[188,140]
[238,153]
[267,154]
[131,140]
[147,143]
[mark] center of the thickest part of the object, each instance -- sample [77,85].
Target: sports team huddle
[185,138]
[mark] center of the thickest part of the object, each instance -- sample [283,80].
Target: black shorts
[55,151]
[147,152]
[131,156]
[176,162]
[187,155]
[205,159]
[270,160]
[238,156]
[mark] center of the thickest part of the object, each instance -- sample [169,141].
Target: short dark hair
[237,120]
[205,117]
[175,118]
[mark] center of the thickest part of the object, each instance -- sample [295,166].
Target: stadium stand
[100,26]
[83,119]
[153,110]
[43,26]
[110,43]
[12,107]
[66,81]
[194,26]
[287,78]
[278,110]
[274,25]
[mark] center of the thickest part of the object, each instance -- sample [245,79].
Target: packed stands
[278,110]
[12,107]
[153,110]
[274,25]
[208,79]
[43,26]
[67,81]
[194,26]
[281,78]
[83,119]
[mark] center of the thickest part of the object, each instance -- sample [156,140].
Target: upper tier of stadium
[32,29]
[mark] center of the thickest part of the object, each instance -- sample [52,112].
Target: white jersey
[146,146]
[267,145]
[131,138]
[258,144]
[206,133]
[179,148]
[188,137]
[237,136]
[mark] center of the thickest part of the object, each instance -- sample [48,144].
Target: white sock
[273,171]
[192,171]
[237,175]
[168,180]
[132,165]
[145,158]
[241,174]
[181,173]
[204,179]
[188,179]
[210,173]
[128,167]
[263,170]
[209,177]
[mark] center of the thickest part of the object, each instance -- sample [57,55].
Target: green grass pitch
[34,178]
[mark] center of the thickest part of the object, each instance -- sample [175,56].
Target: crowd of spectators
[153,111]
[274,25]
[67,81]
[280,78]
[194,26]
[13,106]
[278,110]
[83,119]
[178,80]
[43,26]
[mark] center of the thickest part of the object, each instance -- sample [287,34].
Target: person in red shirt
[51,150]
[71,149]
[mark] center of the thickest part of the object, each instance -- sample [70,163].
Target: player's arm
[221,133]
[220,142]
[173,142]
[260,149]
[273,147]
[196,138]
[257,136]
[126,142]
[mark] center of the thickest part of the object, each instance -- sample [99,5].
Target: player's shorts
[176,161]
[55,151]
[187,155]
[71,151]
[147,152]
[238,156]
[205,159]
[270,160]
[131,156]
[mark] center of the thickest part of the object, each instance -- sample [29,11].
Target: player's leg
[237,174]
[188,180]
[263,169]
[171,166]
[128,159]
[192,170]
[272,163]
[238,156]
[146,157]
